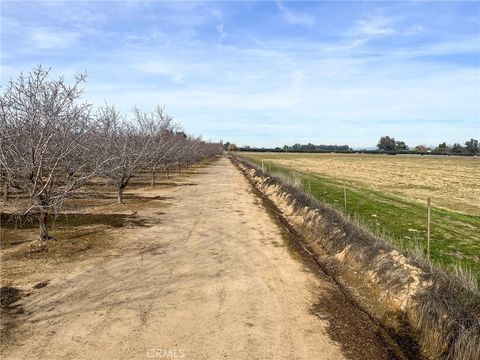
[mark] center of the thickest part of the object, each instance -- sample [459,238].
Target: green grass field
[454,235]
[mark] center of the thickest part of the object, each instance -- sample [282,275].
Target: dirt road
[211,278]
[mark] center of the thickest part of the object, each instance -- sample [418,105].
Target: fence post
[428,227]
[345,195]
[263,167]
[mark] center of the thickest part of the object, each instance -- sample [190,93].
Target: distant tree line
[316,148]
[229,147]
[386,145]
[310,148]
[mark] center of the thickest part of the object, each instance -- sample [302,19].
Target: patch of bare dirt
[8,296]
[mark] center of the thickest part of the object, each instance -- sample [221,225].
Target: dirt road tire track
[210,279]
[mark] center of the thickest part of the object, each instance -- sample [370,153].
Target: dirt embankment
[209,275]
[410,299]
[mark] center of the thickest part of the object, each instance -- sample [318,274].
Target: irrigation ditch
[419,310]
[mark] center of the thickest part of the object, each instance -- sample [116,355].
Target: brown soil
[209,274]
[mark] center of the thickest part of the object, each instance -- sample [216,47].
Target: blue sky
[266,73]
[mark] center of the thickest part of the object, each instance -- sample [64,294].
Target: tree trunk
[120,195]
[5,191]
[154,169]
[166,172]
[43,221]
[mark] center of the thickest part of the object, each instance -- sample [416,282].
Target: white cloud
[44,38]
[221,31]
[160,68]
[351,44]
[414,30]
[375,26]
[295,18]
[451,47]
[257,41]
[220,27]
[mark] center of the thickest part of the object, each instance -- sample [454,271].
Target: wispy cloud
[46,38]
[374,26]
[164,69]
[220,29]
[294,17]
[220,26]
[414,30]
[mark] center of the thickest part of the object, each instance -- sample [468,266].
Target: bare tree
[196,150]
[4,185]
[44,141]
[127,144]
[179,152]
[50,145]
[160,129]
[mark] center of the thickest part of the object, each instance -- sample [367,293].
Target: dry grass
[386,195]
[452,182]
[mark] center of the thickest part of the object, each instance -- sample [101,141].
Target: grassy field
[388,194]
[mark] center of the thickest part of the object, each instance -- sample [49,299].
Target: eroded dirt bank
[212,277]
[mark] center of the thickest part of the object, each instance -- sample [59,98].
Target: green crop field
[388,194]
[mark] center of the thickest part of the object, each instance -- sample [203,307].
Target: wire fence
[431,232]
